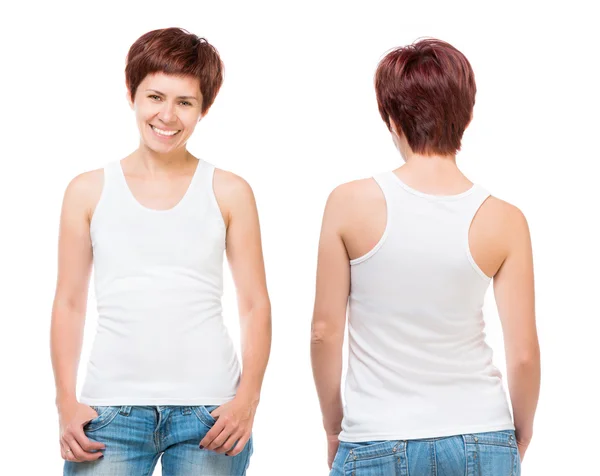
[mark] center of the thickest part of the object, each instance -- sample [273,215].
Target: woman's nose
[167,112]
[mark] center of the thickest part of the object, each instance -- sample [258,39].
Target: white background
[295,117]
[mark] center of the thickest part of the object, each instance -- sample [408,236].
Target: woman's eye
[154,96]
[185,103]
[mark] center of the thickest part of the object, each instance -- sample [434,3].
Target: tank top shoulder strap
[202,181]
[388,185]
[473,202]
[391,192]
[385,180]
[202,189]
[204,175]
[115,185]
[111,197]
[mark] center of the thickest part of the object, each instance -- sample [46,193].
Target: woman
[163,376]
[412,253]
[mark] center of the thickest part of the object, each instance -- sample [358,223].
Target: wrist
[523,436]
[64,400]
[249,398]
[65,394]
[332,430]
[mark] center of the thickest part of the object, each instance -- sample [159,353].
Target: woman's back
[418,363]
[408,258]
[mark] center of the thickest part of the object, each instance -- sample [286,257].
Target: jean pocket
[203,414]
[498,438]
[382,457]
[493,453]
[106,414]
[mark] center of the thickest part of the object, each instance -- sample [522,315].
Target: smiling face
[167,109]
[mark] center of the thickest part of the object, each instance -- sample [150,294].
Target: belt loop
[186,410]
[125,410]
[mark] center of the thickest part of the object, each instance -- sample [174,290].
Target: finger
[90,419]
[241,444]
[215,413]
[229,443]
[77,452]
[220,439]
[213,433]
[63,451]
[86,444]
[68,455]
[71,444]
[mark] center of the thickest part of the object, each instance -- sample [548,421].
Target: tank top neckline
[431,196]
[179,204]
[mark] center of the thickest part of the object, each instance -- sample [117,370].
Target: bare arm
[329,319]
[70,300]
[68,317]
[244,254]
[514,294]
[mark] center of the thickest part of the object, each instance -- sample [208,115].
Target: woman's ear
[469,120]
[393,128]
[128,97]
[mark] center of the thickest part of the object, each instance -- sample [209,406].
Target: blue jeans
[136,436]
[478,454]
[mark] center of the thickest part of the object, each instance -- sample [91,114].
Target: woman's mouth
[162,133]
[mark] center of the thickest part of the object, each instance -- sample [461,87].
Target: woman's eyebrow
[178,97]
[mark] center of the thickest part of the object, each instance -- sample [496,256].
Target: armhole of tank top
[212,196]
[381,241]
[101,199]
[485,195]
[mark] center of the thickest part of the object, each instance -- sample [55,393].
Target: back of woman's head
[177,52]
[427,90]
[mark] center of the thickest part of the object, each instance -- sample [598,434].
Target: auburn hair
[175,51]
[427,89]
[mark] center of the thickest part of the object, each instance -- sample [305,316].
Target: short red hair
[427,90]
[175,51]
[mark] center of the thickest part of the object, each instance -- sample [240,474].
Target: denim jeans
[477,454]
[136,436]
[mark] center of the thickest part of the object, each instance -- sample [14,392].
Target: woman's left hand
[333,444]
[234,422]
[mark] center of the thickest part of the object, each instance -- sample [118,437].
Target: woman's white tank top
[158,281]
[418,364]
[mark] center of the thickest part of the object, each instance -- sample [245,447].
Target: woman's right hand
[333,444]
[74,444]
[522,444]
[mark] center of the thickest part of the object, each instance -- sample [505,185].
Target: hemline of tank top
[426,434]
[118,401]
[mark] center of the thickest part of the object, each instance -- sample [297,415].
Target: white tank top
[418,363]
[158,280]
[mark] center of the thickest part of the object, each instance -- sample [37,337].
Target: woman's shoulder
[85,189]
[501,214]
[226,183]
[356,194]
[352,204]
[86,183]
[500,224]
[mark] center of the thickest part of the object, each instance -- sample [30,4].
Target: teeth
[164,133]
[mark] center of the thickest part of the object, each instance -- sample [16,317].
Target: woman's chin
[161,148]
